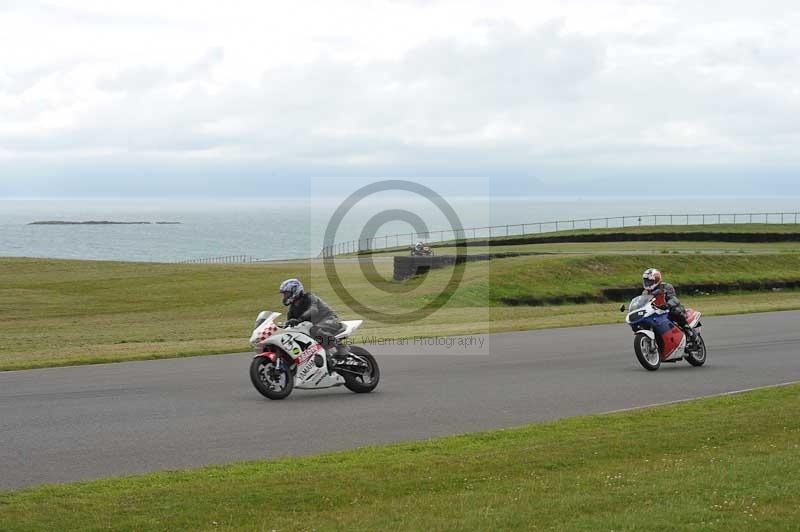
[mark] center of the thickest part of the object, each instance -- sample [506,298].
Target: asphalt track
[66,424]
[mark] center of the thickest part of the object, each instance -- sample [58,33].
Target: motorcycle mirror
[622,308]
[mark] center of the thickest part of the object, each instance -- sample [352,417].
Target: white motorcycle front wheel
[272,379]
[646,352]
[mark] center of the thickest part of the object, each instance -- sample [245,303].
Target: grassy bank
[536,277]
[626,248]
[712,464]
[548,232]
[55,312]
[588,275]
[757,228]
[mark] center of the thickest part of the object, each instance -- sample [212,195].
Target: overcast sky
[251,98]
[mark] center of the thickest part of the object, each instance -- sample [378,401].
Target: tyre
[272,381]
[646,352]
[369,380]
[698,358]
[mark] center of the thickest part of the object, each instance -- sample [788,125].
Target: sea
[276,228]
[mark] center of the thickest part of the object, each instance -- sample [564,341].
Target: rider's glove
[292,322]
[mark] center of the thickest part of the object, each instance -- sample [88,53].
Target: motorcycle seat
[349,327]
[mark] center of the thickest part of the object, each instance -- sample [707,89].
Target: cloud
[135,79]
[575,88]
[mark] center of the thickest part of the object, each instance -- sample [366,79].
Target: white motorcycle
[288,358]
[657,339]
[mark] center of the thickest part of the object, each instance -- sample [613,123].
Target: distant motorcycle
[424,251]
[657,339]
[288,358]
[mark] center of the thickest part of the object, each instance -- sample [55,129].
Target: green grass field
[757,228]
[551,276]
[55,312]
[711,464]
[742,228]
[679,228]
[626,248]
[587,275]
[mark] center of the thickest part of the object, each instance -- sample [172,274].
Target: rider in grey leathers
[305,306]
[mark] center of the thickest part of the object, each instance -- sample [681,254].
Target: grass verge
[627,248]
[549,231]
[553,277]
[56,312]
[710,464]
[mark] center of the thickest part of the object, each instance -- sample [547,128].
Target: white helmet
[291,289]
[651,278]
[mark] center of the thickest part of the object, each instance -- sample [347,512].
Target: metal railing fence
[399,240]
[228,259]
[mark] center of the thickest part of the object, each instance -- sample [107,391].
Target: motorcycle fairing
[265,328]
[661,324]
[312,376]
[673,343]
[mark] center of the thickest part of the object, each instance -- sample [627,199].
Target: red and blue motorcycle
[657,339]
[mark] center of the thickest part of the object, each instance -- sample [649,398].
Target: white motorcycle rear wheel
[363,383]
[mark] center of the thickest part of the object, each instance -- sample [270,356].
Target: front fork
[273,357]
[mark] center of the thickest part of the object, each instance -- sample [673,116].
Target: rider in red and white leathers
[667,298]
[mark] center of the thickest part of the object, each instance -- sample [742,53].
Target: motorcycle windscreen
[639,302]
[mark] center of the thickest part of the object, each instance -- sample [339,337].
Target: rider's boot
[330,359]
[335,354]
[342,350]
[691,336]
